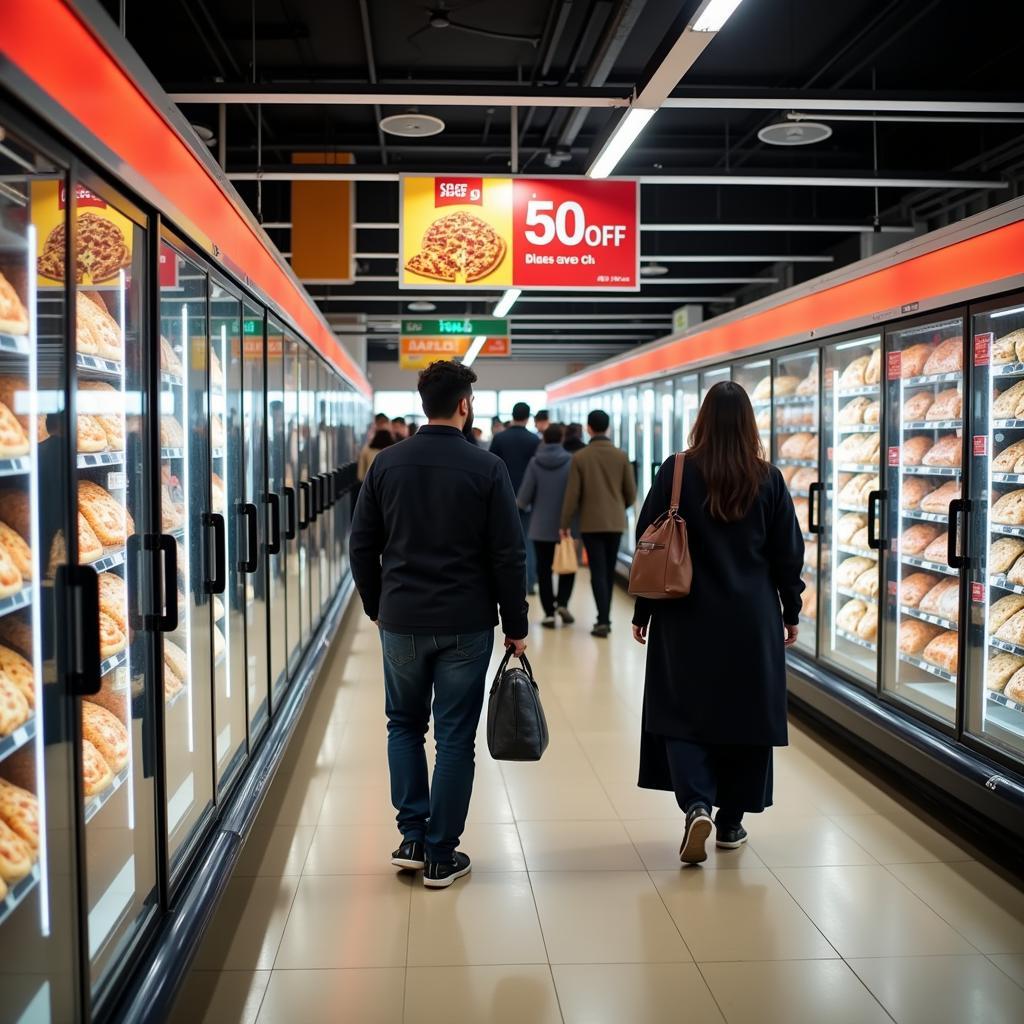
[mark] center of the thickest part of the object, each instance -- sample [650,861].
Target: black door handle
[168,620]
[314,489]
[304,509]
[814,525]
[328,489]
[955,561]
[248,565]
[875,498]
[289,497]
[273,500]
[80,587]
[215,521]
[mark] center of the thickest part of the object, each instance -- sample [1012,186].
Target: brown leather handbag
[662,568]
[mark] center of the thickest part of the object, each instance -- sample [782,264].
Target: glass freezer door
[294,506]
[709,378]
[687,402]
[38,908]
[326,517]
[995,681]
[277,511]
[923,370]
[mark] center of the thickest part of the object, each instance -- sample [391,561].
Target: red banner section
[452,191]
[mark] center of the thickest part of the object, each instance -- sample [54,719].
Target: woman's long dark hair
[725,443]
[382,439]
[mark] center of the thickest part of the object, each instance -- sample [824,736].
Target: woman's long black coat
[716,669]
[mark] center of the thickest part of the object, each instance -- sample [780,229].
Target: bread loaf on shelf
[852,413]
[948,405]
[1001,666]
[943,651]
[1009,509]
[1007,403]
[915,490]
[914,449]
[851,569]
[1003,553]
[1004,349]
[915,587]
[937,502]
[947,451]
[915,539]
[873,371]
[850,615]
[916,407]
[914,359]
[915,635]
[947,358]
[853,375]
[873,412]
[938,550]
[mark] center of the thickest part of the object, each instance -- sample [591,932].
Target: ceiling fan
[440,17]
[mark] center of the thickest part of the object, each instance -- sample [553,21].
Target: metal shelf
[788,429]
[853,595]
[932,470]
[935,620]
[1011,531]
[927,666]
[94,804]
[13,602]
[927,380]
[99,365]
[17,739]
[846,549]
[926,517]
[15,466]
[14,344]
[91,460]
[857,428]
[110,558]
[857,467]
[1008,424]
[218,453]
[1008,370]
[863,389]
[856,509]
[809,463]
[172,453]
[170,378]
[17,891]
[1008,478]
[108,665]
[854,639]
[934,425]
[797,399]
[1005,702]
[922,563]
[999,580]
[1002,645]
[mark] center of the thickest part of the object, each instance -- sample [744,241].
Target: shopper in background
[399,429]
[413,428]
[478,438]
[515,446]
[541,422]
[601,487]
[381,440]
[543,490]
[573,440]
[436,552]
[712,744]
[497,426]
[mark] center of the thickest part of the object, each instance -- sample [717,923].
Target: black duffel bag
[516,727]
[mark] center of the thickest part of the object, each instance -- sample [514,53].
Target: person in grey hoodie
[543,490]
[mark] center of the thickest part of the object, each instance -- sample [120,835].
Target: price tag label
[894,456]
[983,349]
[894,365]
[981,444]
[115,481]
[978,593]
[892,588]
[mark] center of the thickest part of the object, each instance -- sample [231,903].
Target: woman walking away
[381,439]
[543,489]
[573,440]
[715,690]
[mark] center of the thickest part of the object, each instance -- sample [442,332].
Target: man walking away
[515,446]
[544,490]
[399,428]
[601,487]
[437,551]
[541,422]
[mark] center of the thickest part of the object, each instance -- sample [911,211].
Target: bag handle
[677,483]
[524,661]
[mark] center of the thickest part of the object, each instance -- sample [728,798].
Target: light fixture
[653,270]
[794,133]
[474,350]
[713,14]
[421,306]
[507,301]
[206,134]
[619,141]
[412,125]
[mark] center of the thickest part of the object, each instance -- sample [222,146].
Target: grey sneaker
[438,875]
[601,630]
[698,829]
[563,613]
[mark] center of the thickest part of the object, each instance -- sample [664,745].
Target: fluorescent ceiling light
[1006,312]
[474,350]
[422,306]
[619,141]
[714,14]
[507,301]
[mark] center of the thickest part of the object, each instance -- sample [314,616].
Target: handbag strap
[524,661]
[677,482]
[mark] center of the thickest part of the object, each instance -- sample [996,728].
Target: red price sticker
[829,453]
[983,349]
[458,191]
[980,444]
[892,588]
[978,593]
[894,364]
[894,456]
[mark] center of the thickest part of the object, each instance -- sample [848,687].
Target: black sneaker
[563,613]
[441,875]
[601,630]
[549,622]
[409,855]
[698,829]
[730,837]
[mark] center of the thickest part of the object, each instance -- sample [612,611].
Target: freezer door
[709,378]
[632,442]
[995,679]
[294,505]
[312,463]
[38,899]
[305,495]
[687,402]
[326,517]
[276,512]
[923,371]
[184,507]
[848,551]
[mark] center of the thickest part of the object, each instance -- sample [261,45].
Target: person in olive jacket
[601,487]
[715,689]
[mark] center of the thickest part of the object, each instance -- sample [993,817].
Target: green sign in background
[491,326]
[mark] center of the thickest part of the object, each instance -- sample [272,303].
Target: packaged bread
[915,539]
[14,709]
[803,478]
[19,671]
[106,733]
[1009,509]
[1012,630]
[873,371]
[914,450]
[938,550]
[915,489]
[809,602]
[169,361]
[932,601]
[850,615]
[1001,665]
[1015,688]
[916,635]
[171,435]
[19,810]
[1008,402]
[13,314]
[1004,349]
[1008,459]
[852,414]
[16,633]
[848,525]
[916,407]
[1003,552]
[784,386]
[96,773]
[913,360]
[948,405]
[867,628]
[943,651]
[1001,611]
[947,358]
[794,445]
[947,451]
[809,385]
[866,583]
[109,519]
[938,501]
[915,587]
[873,412]
[851,569]
[91,437]
[16,857]
[853,375]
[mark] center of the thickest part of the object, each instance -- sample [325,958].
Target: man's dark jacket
[515,446]
[436,541]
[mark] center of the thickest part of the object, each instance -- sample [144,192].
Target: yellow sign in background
[417,353]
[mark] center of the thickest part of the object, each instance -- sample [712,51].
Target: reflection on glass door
[184,483]
[277,512]
[924,419]
[850,573]
[709,378]
[305,494]
[38,911]
[687,402]
[326,518]
[309,392]
[294,502]
[631,443]
[995,681]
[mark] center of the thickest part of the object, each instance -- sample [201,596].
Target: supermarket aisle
[845,907]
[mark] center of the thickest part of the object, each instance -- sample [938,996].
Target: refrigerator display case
[925,437]
[709,378]
[295,504]
[685,406]
[277,511]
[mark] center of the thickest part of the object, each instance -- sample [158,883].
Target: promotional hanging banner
[417,353]
[554,234]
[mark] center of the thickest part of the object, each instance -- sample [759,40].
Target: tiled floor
[846,906]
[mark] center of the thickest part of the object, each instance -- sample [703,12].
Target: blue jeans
[452,669]
[531,556]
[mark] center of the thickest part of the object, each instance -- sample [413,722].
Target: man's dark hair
[542,414]
[442,386]
[598,421]
[554,433]
[398,419]
[520,412]
[382,417]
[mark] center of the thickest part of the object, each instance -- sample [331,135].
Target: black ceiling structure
[923,97]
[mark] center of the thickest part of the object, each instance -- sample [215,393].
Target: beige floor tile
[905,840]
[247,929]
[744,914]
[985,909]
[493,846]
[295,803]
[578,846]
[490,805]
[346,921]
[804,842]
[1010,964]
[792,992]
[560,801]
[640,993]
[942,989]
[605,917]
[352,850]
[366,995]
[486,918]
[509,994]
[866,911]
[657,841]
[219,997]
[279,850]
[357,805]
[631,802]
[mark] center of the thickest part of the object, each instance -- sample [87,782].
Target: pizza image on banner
[456,230]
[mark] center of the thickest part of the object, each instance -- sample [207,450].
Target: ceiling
[785,50]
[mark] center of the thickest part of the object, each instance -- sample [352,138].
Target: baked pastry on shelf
[948,405]
[19,810]
[916,587]
[947,358]
[916,407]
[947,451]
[852,413]
[853,375]
[111,422]
[1001,666]
[1007,404]
[914,359]
[914,449]
[16,856]
[13,314]
[915,635]
[19,672]
[1004,349]
[943,651]
[873,413]
[106,732]
[914,491]
[13,439]
[1001,611]
[937,502]
[14,709]
[112,638]
[915,539]
[873,371]
[1003,553]
[109,519]
[169,361]
[850,615]
[850,570]
[1009,459]
[1009,509]
[10,576]
[91,435]
[96,773]
[938,550]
